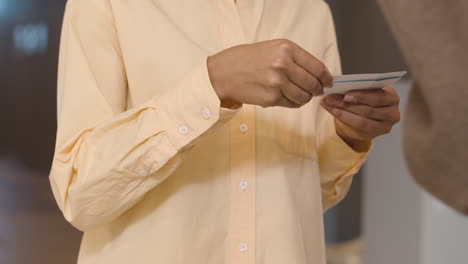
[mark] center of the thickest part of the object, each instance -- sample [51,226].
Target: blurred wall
[366,42]
[366,46]
[28,78]
[32,230]
[392,202]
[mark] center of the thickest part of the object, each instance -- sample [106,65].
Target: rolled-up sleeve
[107,156]
[338,162]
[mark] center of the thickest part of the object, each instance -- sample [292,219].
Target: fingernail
[329,85]
[350,98]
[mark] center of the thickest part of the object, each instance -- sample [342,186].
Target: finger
[386,113]
[285,102]
[359,123]
[304,80]
[376,97]
[295,94]
[312,65]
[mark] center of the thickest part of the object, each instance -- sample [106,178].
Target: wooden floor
[32,229]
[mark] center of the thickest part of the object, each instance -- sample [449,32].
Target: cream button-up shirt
[149,166]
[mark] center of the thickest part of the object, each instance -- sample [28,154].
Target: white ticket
[345,83]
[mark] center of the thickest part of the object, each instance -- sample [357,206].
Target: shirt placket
[241,238]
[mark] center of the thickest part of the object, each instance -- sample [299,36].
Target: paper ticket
[345,83]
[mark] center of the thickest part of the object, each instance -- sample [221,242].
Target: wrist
[357,145]
[224,99]
[355,142]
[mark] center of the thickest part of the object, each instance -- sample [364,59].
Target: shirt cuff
[346,161]
[340,162]
[186,112]
[192,108]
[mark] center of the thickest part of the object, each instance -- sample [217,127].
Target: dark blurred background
[32,229]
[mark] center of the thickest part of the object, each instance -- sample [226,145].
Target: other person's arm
[434,43]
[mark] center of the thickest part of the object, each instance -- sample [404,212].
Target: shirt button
[243,128]
[142,173]
[243,247]
[183,130]
[243,185]
[206,114]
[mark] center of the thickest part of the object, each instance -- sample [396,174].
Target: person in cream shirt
[194,131]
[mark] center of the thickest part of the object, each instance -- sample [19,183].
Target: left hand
[363,115]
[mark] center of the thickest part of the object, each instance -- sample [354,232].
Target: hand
[360,116]
[269,73]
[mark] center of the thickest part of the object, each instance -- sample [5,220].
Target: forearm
[104,170]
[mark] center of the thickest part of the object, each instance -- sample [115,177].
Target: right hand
[269,73]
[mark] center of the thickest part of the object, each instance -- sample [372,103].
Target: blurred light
[31,39]
[3,6]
